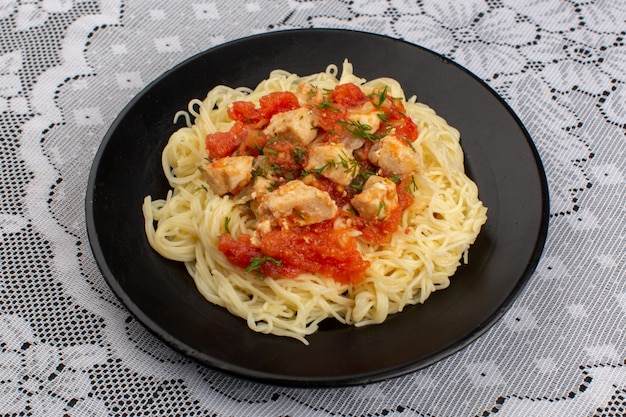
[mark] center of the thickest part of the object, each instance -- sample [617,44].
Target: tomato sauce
[238,252]
[283,155]
[317,248]
[311,249]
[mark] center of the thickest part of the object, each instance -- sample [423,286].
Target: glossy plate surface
[500,157]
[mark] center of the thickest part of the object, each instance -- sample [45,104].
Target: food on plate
[315,197]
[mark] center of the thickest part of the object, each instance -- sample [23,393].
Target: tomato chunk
[270,104]
[404,125]
[395,114]
[244,111]
[278,102]
[221,144]
[349,95]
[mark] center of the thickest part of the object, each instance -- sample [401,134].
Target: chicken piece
[256,189]
[395,156]
[297,125]
[228,174]
[295,202]
[334,161]
[366,115]
[261,187]
[378,198]
[308,93]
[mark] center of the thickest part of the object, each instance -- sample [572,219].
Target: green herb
[328,164]
[258,172]
[395,178]
[349,165]
[255,263]
[412,186]
[272,186]
[298,154]
[227,224]
[270,151]
[360,126]
[361,130]
[381,97]
[320,169]
[275,139]
[384,116]
[299,213]
[410,144]
[381,206]
[201,169]
[359,156]
[202,187]
[359,181]
[325,105]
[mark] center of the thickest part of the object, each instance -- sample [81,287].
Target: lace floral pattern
[68,347]
[42,378]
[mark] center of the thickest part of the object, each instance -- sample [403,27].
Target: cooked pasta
[441,217]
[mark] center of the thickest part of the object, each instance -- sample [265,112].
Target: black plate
[500,157]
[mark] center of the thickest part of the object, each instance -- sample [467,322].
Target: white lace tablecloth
[68,347]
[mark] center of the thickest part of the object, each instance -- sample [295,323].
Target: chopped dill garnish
[408,142]
[381,206]
[384,116]
[381,97]
[321,169]
[356,185]
[412,186]
[362,130]
[255,263]
[325,104]
[298,154]
[298,213]
[350,165]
